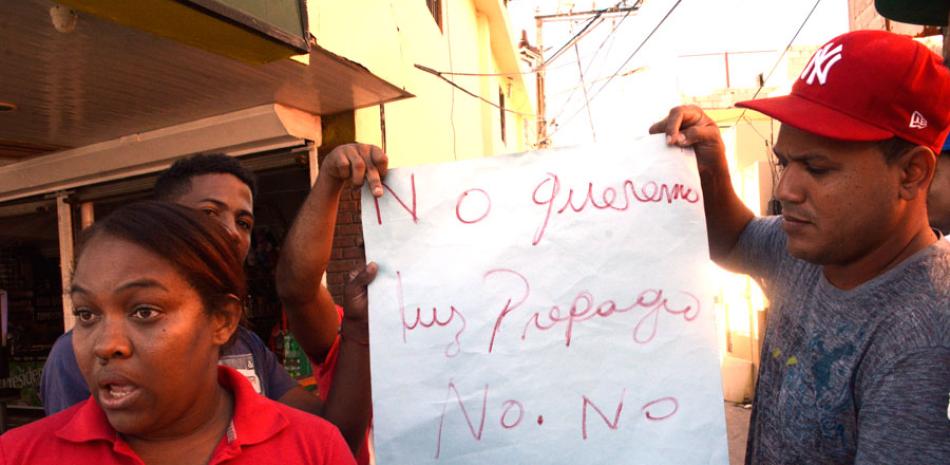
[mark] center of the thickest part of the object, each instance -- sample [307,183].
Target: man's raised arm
[726,215]
[311,312]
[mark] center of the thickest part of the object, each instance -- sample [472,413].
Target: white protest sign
[546,307]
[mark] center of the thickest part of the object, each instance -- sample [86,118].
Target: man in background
[929,13]
[221,188]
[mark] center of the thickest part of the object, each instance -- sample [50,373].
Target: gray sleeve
[62,384]
[761,251]
[903,413]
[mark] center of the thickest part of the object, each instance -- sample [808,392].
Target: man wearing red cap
[929,13]
[856,357]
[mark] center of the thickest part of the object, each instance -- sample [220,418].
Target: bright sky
[630,103]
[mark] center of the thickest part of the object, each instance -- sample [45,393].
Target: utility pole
[540,68]
[543,141]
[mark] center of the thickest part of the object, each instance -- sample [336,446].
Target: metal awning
[103,81]
[261,128]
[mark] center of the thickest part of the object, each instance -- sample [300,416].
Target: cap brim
[816,118]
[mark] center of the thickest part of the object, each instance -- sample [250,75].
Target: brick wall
[863,15]
[348,251]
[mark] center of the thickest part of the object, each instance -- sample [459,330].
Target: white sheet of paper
[543,308]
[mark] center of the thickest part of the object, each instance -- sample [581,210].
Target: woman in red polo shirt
[156,295]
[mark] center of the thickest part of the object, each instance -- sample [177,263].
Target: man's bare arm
[301,399]
[726,215]
[310,309]
[349,402]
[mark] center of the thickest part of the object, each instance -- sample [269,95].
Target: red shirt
[264,433]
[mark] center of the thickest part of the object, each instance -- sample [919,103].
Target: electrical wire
[483,99]
[599,79]
[749,122]
[781,55]
[579,35]
[448,38]
[517,73]
[571,42]
[625,62]
[645,40]
[600,13]
[580,72]
[775,171]
[546,64]
[609,37]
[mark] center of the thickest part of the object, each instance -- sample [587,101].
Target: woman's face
[144,343]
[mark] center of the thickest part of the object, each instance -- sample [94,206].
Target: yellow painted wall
[441,123]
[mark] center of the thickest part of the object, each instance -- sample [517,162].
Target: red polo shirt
[263,432]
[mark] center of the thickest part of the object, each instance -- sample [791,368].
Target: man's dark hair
[894,147]
[176,181]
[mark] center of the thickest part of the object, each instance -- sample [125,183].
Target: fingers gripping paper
[546,307]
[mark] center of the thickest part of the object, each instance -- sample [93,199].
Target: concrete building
[404,45]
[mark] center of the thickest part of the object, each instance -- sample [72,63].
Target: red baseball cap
[868,86]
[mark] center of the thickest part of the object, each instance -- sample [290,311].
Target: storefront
[36,237]
[98,102]
[30,290]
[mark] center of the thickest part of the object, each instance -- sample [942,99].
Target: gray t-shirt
[859,376]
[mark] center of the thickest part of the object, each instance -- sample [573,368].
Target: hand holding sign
[546,307]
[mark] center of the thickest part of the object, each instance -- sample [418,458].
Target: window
[435,7]
[501,113]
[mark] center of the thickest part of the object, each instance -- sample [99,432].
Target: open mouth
[117,395]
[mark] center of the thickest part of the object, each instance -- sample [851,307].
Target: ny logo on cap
[821,63]
[917,121]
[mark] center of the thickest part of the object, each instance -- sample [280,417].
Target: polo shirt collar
[255,419]
[88,424]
